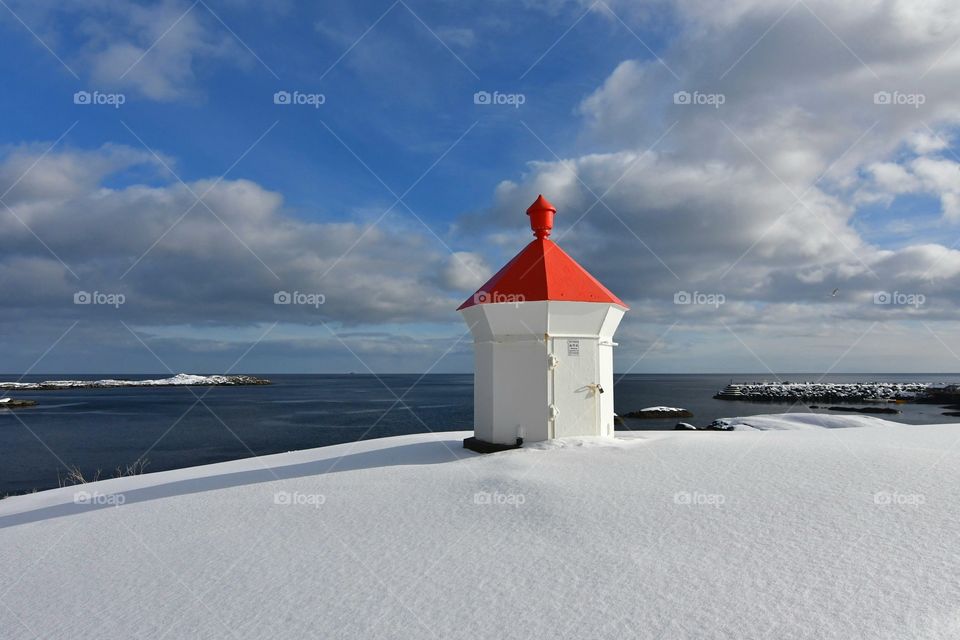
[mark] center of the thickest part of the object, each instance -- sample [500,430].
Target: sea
[175,427]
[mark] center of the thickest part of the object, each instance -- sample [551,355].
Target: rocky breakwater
[834,391]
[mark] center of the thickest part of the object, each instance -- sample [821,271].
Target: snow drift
[788,533]
[791,421]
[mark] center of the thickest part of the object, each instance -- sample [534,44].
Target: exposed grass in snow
[73,475]
[794,533]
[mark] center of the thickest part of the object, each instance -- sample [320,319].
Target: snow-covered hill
[796,533]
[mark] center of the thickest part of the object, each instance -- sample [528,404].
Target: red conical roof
[542,271]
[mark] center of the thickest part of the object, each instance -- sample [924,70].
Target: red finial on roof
[541,214]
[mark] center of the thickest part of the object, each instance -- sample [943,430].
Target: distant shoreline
[179,380]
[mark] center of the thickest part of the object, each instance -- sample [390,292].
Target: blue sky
[798,183]
[397,96]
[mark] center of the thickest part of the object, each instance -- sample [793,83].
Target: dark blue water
[106,428]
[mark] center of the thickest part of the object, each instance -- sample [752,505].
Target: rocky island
[179,380]
[14,403]
[659,412]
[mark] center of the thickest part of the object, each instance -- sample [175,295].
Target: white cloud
[758,199]
[465,271]
[922,175]
[207,267]
[153,49]
[893,178]
[463,37]
[925,142]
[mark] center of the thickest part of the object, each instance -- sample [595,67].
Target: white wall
[513,384]
[483,391]
[606,379]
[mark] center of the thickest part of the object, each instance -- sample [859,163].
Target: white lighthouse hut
[543,341]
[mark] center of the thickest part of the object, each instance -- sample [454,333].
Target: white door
[575,394]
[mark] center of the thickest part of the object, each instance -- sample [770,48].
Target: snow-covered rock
[660,412]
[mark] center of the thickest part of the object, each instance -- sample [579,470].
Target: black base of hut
[481,446]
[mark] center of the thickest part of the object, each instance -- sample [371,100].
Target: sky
[771,185]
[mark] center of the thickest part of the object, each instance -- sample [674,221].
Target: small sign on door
[573,347]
